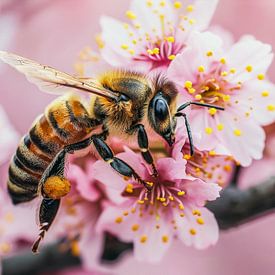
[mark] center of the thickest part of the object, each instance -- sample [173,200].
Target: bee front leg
[144,147]
[117,164]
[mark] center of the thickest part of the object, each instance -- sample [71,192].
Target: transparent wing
[51,80]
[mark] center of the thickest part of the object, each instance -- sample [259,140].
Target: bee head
[162,108]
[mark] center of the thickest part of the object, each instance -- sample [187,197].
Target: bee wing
[51,80]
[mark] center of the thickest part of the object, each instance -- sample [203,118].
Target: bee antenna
[183,106]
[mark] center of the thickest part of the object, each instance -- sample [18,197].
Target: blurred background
[53,33]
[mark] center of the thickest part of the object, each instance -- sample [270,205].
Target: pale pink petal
[248,51]
[149,20]
[198,191]
[171,169]
[205,234]
[249,141]
[84,185]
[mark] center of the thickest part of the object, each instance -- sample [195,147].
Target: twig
[236,206]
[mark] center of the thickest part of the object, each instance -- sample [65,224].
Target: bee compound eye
[161,109]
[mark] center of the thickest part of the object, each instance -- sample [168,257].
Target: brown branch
[236,206]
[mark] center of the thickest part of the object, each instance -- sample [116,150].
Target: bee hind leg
[47,212]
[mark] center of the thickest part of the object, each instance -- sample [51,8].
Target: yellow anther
[182,215]
[223,60]
[227,168]
[226,97]
[190,8]
[126,179]
[140,201]
[133,210]
[137,26]
[201,69]
[265,93]
[209,53]
[232,71]
[249,68]
[150,52]
[196,212]
[188,84]
[9,217]
[5,247]
[131,15]
[125,26]
[191,90]
[237,132]
[134,41]
[212,153]
[261,76]
[162,3]
[119,220]
[271,107]
[156,50]
[170,39]
[171,198]
[212,111]
[150,183]
[143,238]
[224,73]
[177,4]
[208,130]
[135,227]
[124,46]
[181,193]
[149,3]
[162,199]
[220,126]
[125,213]
[129,190]
[165,238]
[171,57]
[192,21]
[181,206]
[200,221]
[99,41]
[193,231]
[187,156]
[198,97]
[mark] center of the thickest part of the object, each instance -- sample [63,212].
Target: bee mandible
[122,102]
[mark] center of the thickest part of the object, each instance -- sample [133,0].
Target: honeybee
[121,102]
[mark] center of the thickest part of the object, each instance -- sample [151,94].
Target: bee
[122,102]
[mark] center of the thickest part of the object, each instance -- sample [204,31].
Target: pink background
[53,32]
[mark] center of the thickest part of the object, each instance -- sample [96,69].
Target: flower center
[159,53]
[162,194]
[212,87]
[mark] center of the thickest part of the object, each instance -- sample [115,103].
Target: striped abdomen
[65,121]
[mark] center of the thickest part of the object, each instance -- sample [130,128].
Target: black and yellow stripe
[65,122]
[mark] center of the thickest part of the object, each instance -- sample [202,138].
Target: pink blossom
[174,209]
[206,165]
[157,32]
[233,79]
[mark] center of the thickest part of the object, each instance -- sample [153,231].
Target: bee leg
[117,164]
[53,177]
[144,147]
[47,212]
[189,133]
